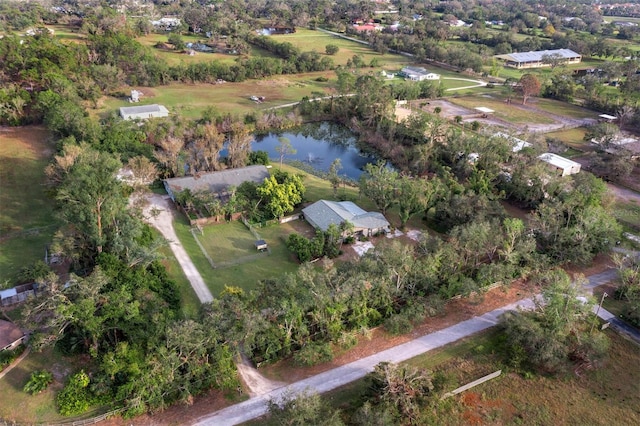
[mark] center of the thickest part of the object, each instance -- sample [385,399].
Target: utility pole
[604,294]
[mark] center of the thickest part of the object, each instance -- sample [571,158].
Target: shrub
[75,398]
[322,79]
[314,353]
[398,324]
[331,49]
[7,357]
[38,382]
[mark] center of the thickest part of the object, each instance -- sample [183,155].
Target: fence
[83,422]
[472,384]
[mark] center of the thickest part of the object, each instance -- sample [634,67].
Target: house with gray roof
[218,183]
[10,336]
[418,74]
[323,213]
[538,59]
[143,112]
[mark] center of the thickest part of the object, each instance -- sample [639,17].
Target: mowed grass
[190,100]
[26,211]
[309,40]
[228,242]
[607,395]
[509,112]
[563,108]
[571,137]
[23,408]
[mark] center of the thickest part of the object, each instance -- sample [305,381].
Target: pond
[318,145]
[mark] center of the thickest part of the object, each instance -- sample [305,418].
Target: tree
[239,144]
[284,148]
[415,195]
[281,192]
[302,410]
[529,86]
[558,330]
[379,183]
[334,177]
[331,49]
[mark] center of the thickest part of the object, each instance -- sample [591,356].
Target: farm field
[26,212]
[562,108]
[190,100]
[308,40]
[571,137]
[607,395]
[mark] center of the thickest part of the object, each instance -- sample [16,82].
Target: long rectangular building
[539,58]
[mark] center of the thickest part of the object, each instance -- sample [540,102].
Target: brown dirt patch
[600,263]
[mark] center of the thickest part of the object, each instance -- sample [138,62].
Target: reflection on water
[319,144]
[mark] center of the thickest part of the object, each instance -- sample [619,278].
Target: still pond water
[318,145]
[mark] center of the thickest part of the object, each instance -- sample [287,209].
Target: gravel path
[159,213]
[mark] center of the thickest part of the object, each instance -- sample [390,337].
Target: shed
[565,166]
[10,335]
[143,112]
[261,245]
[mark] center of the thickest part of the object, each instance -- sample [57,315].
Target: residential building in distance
[418,74]
[324,213]
[564,166]
[143,112]
[516,143]
[539,59]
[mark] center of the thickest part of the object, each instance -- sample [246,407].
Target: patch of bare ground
[600,263]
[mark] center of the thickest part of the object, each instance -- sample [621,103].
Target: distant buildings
[540,58]
[143,112]
[418,74]
[166,23]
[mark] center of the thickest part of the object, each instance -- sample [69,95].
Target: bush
[398,324]
[322,79]
[331,49]
[38,382]
[314,353]
[75,398]
[7,357]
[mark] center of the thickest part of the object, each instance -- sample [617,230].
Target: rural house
[323,213]
[10,336]
[564,166]
[418,74]
[218,183]
[143,112]
[539,58]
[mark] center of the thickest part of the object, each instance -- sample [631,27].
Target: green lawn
[228,242]
[190,100]
[190,302]
[26,211]
[24,408]
[308,40]
[572,137]
[563,108]
[628,213]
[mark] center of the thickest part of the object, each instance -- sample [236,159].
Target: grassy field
[608,395]
[572,137]
[26,213]
[508,112]
[190,302]
[228,242]
[23,408]
[563,108]
[308,40]
[628,213]
[190,100]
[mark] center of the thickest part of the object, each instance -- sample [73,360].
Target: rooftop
[485,110]
[536,56]
[142,109]
[518,144]
[324,213]
[9,333]
[219,182]
[558,161]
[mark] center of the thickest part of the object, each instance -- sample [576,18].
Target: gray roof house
[143,112]
[535,59]
[323,213]
[10,335]
[418,74]
[216,182]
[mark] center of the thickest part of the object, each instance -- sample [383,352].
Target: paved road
[160,215]
[332,379]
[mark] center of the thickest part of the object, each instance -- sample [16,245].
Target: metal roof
[558,161]
[323,213]
[536,56]
[219,182]
[518,144]
[142,109]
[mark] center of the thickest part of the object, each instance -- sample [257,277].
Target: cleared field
[607,395]
[68,33]
[572,137]
[563,108]
[228,242]
[190,100]
[26,211]
[308,40]
[509,112]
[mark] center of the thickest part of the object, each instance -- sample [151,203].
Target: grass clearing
[26,211]
[308,40]
[607,395]
[628,213]
[23,408]
[509,112]
[563,108]
[190,100]
[228,242]
[571,137]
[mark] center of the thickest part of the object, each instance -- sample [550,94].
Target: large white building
[418,74]
[564,166]
[538,59]
[143,112]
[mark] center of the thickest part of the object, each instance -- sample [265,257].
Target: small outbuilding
[261,245]
[143,112]
[564,166]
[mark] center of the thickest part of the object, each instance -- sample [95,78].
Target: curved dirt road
[159,213]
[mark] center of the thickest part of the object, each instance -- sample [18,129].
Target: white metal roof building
[565,166]
[143,112]
[418,74]
[535,59]
[323,213]
[516,143]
